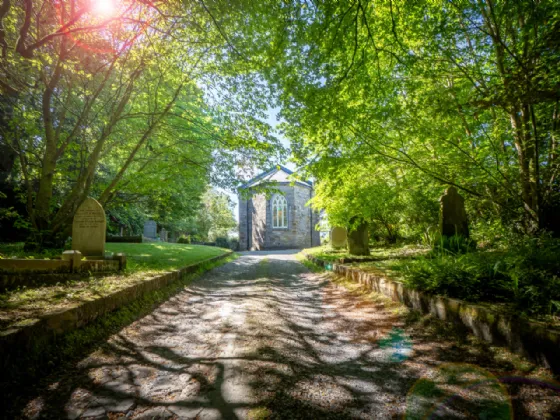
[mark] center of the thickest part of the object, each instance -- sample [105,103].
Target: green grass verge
[152,256]
[156,256]
[68,347]
[144,261]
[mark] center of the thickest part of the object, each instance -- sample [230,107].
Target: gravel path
[263,337]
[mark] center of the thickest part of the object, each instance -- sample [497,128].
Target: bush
[222,242]
[184,239]
[453,245]
[528,275]
[127,239]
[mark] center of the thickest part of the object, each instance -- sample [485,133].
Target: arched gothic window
[279,212]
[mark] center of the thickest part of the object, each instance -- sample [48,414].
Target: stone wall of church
[243,223]
[255,221]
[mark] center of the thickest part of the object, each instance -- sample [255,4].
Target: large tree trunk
[358,239]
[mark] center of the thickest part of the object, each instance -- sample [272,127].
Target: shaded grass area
[389,259]
[20,378]
[144,261]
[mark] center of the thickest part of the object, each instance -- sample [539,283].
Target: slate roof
[268,174]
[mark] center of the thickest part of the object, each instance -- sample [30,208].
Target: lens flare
[103,7]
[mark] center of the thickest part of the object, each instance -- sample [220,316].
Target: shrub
[184,239]
[234,244]
[222,242]
[453,245]
[528,275]
[127,239]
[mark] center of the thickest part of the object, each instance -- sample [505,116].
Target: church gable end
[283,221]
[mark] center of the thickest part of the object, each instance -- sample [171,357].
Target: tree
[94,98]
[215,217]
[459,93]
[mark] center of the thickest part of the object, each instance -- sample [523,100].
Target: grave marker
[453,218]
[88,229]
[150,229]
[339,236]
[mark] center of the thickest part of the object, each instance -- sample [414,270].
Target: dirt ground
[263,337]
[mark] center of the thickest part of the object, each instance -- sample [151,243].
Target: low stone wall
[535,340]
[33,273]
[33,334]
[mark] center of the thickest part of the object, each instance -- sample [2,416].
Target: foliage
[527,275]
[436,93]
[124,239]
[113,107]
[453,245]
[224,242]
[214,218]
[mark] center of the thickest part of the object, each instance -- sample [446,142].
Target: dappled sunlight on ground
[262,336]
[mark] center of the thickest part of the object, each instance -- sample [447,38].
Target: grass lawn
[143,262]
[387,258]
[156,256]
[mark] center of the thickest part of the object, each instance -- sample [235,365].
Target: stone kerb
[71,266]
[535,340]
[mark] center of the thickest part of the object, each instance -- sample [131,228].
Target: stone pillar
[243,223]
[75,258]
[453,217]
[358,239]
[121,258]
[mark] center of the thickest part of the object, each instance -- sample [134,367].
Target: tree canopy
[426,94]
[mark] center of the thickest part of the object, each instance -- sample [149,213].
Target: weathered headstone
[88,229]
[150,229]
[163,235]
[453,217]
[358,238]
[338,237]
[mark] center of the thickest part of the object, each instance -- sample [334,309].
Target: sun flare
[103,7]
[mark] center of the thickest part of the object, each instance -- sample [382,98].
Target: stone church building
[281,221]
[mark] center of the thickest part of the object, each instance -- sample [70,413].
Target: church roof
[277,174]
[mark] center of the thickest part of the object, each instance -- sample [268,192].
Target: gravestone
[453,217]
[88,229]
[358,238]
[338,237]
[163,235]
[150,229]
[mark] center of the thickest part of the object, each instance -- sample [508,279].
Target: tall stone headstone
[163,235]
[150,229]
[88,229]
[338,237]
[358,238]
[453,217]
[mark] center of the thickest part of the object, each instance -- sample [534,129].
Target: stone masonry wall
[243,224]
[258,222]
[255,216]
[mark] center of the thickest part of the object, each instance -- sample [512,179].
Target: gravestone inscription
[339,237]
[150,229]
[88,229]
